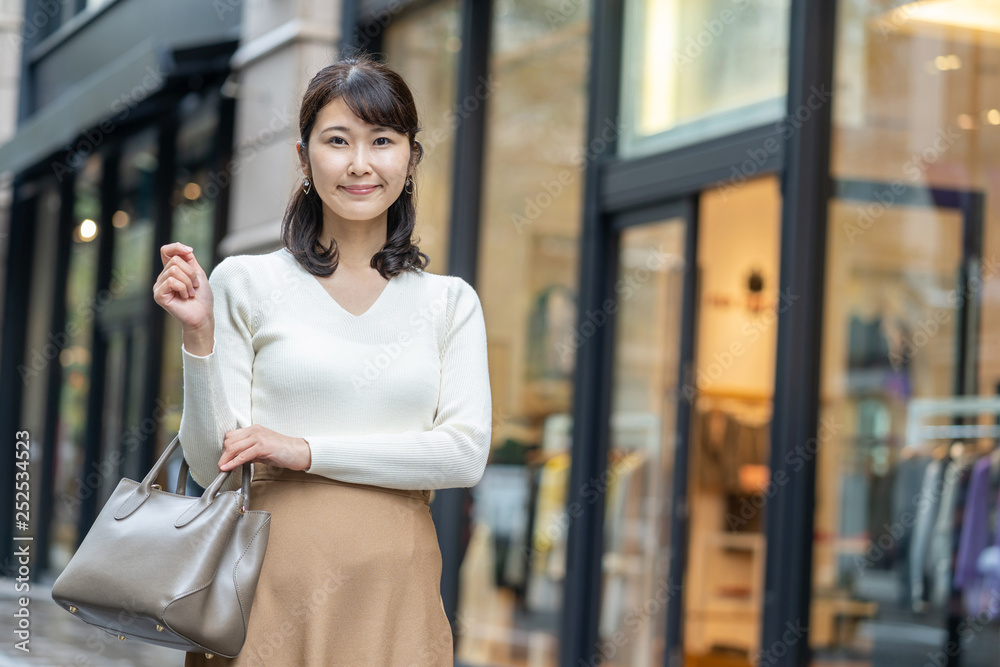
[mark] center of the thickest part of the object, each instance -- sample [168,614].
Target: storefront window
[198,187]
[697,69]
[733,388]
[133,221]
[645,394]
[75,359]
[513,571]
[41,351]
[906,566]
[423,46]
[123,324]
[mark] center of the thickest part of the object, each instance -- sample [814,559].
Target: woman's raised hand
[182,288]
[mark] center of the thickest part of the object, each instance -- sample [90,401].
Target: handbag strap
[181,487]
[143,491]
[182,478]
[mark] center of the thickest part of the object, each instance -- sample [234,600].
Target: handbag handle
[181,487]
[142,492]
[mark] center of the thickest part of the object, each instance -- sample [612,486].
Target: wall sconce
[755,290]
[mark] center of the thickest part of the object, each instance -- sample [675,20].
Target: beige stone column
[283,44]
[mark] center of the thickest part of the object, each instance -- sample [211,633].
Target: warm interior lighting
[950,61]
[119,219]
[88,230]
[970,14]
[192,191]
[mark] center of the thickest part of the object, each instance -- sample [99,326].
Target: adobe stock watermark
[928,328]
[796,459]
[557,525]
[712,29]
[786,127]
[244,153]
[886,542]
[86,311]
[638,615]
[885,198]
[751,333]
[897,17]
[88,482]
[793,634]
[458,113]
[43,12]
[657,260]
[967,629]
[563,12]
[77,154]
[552,188]
[389,353]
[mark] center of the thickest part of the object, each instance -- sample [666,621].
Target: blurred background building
[738,262]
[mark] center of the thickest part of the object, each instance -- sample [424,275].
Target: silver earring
[307,186]
[409,182]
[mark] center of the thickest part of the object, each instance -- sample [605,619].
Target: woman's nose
[360,161]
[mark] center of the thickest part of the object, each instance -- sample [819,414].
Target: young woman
[354,382]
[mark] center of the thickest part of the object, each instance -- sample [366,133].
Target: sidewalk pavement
[58,639]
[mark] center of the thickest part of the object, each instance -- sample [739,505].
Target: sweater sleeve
[453,453]
[217,386]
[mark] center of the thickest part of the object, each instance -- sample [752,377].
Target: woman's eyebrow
[341,128]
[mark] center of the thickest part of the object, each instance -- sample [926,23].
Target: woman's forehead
[336,115]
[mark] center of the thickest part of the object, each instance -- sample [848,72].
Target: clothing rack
[920,409]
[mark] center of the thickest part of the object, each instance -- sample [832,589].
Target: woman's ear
[303,158]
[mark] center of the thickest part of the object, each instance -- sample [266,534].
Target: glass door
[645,508]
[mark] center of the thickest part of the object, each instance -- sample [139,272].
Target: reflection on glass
[196,194]
[39,353]
[71,482]
[645,394]
[133,220]
[423,46]
[697,69]
[729,480]
[904,518]
[513,570]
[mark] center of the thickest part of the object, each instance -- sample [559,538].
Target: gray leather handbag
[169,569]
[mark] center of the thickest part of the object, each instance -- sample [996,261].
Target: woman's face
[345,153]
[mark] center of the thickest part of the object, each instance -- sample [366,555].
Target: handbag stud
[159,628]
[155,486]
[209,655]
[72,609]
[121,637]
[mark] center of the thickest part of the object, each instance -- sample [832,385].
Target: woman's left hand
[259,444]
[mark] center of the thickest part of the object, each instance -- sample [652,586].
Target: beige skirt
[351,576]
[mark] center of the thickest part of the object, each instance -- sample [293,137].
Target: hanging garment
[943,539]
[711,429]
[880,491]
[905,496]
[977,566]
[927,507]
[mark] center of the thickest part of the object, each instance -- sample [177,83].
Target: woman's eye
[388,141]
[333,141]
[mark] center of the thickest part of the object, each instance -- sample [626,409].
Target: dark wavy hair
[377,95]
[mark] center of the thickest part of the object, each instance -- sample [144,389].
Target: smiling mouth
[361,191]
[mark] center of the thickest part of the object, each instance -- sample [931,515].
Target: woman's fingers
[171,249]
[239,458]
[180,262]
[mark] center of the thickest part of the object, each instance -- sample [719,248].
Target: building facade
[745,402]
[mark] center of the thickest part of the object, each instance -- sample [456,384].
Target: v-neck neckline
[336,304]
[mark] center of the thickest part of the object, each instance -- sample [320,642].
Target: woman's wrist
[200,340]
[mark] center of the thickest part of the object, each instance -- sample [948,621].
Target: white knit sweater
[397,397]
